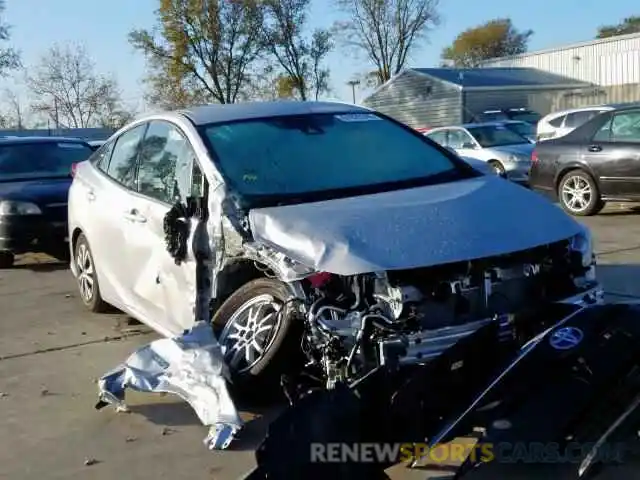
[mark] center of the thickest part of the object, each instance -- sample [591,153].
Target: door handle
[595,148]
[91,196]
[134,216]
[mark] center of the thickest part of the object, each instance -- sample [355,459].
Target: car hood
[41,191]
[420,227]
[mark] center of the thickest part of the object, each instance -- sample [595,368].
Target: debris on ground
[90,461]
[167,431]
[190,366]
[130,439]
[44,392]
[3,394]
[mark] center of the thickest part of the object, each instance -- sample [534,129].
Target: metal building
[435,97]
[605,62]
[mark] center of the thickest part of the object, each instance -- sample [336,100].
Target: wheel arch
[235,274]
[560,174]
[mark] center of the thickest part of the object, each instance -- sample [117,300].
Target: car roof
[578,110]
[205,114]
[9,140]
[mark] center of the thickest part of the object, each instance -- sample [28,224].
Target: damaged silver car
[337,239]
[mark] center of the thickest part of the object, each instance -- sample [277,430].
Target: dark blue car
[35,175]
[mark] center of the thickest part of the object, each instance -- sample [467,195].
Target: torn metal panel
[412,228]
[190,366]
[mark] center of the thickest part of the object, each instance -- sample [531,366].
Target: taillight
[74,167]
[534,156]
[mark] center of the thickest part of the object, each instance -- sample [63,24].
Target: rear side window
[574,120]
[625,127]
[557,122]
[439,137]
[122,167]
[40,160]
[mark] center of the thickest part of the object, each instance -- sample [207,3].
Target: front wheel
[257,334]
[579,195]
[498,168]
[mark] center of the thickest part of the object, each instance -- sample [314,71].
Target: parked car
[595,163]
[520,114]
[315,237]
[558,124]
[35,175]
[507,152]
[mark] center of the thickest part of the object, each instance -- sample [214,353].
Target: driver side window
[459,139]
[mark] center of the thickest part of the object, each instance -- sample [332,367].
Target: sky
[102,28]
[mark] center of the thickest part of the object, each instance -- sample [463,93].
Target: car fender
[574,165]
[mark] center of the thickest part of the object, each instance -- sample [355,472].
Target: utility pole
[56,119]
[352,84]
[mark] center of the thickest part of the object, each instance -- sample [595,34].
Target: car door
[464,144]
[109,190]
[164,290]
[614,154]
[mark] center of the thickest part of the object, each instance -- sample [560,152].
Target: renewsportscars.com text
[533,452]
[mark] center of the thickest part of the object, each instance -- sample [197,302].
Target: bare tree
[9,58]
[386,31]
[204,46]
[300,58]
[67,89]
[16,109]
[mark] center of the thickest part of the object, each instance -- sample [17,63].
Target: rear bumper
[24,233]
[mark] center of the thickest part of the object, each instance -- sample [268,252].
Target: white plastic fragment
[190,366]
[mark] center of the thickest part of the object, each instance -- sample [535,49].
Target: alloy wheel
[576,193]
[248,333]
[86,280]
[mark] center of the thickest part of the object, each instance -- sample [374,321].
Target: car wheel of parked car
[87,278]
[6,259]
[257,335]
[497,167]
[579,194]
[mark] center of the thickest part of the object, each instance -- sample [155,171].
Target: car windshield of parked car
[496,136]
[522,128]
[313,153]
[26,161]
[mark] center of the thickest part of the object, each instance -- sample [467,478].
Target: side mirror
[469,145]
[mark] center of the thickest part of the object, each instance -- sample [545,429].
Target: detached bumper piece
[190,366]
[573,388]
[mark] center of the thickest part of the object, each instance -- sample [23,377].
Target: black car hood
[42,191]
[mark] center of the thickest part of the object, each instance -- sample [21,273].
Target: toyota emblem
[566,338]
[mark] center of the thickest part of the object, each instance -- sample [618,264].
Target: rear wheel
[579,195]
[257,335]
[87,278]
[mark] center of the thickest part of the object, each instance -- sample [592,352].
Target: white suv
[558,124]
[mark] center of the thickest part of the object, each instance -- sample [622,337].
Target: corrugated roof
[499,77]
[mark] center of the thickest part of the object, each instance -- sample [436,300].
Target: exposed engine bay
[356,323]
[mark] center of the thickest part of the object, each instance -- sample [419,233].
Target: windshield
[25,161]
[314,153]
[496,136]
[524,129]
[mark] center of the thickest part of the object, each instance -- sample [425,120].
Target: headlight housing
[11,207]
[583,244]
[518,159]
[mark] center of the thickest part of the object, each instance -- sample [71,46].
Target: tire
[6,259]
[498,168]
[579,185]
[87,278]
[262,373]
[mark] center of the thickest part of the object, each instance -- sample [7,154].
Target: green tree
[496,38]
[203,49]
[301,58]
[386,31]
[628,25]
[9,58]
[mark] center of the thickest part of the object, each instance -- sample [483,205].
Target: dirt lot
[51,352]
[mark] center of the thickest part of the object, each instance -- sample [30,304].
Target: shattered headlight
[10,207]
[583,244]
